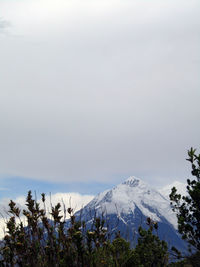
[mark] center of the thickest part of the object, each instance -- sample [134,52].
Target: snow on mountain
[124,198]
[181,189]
[128,205]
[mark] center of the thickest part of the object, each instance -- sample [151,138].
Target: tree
[187,207]
[150,250]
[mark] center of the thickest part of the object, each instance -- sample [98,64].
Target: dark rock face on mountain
[127,206]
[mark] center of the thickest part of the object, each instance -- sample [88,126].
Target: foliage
[43,242]
[187,207]
[150,250]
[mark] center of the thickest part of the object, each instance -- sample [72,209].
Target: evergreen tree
[150,250]
[187,207]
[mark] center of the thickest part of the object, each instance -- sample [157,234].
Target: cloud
[72,199]
[96,89]
[181,189]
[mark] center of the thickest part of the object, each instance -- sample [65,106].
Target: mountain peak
[131,195]
[133,181]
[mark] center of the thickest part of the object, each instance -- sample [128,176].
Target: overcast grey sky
[94,90]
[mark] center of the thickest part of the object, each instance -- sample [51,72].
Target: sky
[94,91]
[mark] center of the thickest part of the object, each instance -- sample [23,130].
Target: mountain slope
[126,207]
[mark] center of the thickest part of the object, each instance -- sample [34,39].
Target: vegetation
[187,209]
[150,250]
[43,242]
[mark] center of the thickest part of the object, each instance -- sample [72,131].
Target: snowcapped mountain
[132,194]
[127,206]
